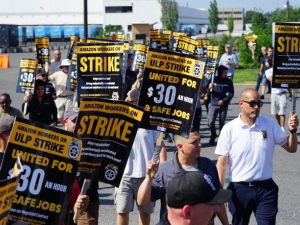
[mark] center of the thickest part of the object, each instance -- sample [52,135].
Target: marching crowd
[189,186]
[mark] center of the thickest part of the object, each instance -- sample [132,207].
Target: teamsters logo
[197,69]
[74,148]
[115,96]
[111,172]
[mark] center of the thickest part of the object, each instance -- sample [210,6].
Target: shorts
[126,195]
[264,80]
[278,104]
[62,103]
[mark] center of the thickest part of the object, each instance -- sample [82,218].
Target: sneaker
[269,92]
[262,97]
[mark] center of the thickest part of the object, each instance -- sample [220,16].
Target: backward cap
[192,188]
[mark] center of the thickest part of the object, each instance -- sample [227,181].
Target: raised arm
[144,193]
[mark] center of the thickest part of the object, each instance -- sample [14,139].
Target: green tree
[169,14]
[101,33]
[230,23]
[258,23]
[213,16]
[248,16]
[116,30]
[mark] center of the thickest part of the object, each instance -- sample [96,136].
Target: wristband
[293,131]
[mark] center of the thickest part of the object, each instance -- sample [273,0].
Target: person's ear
[186,211]
[179,146]
[64,121]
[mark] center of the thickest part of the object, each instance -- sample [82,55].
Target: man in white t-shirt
[55,62]
[135,171]
[278,99]
[246,145]
[230,60]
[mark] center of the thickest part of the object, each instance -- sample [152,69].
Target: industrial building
[238,18]
[59,19]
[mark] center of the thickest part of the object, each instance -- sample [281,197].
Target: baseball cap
[6,123]
[133,94]
[192,188]
[227,46]
[41,71]
[71,113]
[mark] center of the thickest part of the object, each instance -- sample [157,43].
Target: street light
[287,6]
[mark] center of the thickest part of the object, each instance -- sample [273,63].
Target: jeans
[213,113]
[258,81]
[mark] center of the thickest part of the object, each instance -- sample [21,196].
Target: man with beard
[246,145]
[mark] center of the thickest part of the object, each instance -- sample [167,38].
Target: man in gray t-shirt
[229,60]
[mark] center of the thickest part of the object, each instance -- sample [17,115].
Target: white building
[100,12]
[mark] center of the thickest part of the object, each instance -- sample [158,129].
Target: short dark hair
[5,95]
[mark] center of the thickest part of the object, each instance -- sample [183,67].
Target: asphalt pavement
[286,165]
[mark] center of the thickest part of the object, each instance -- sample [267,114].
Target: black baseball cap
[41,71]
[192,188]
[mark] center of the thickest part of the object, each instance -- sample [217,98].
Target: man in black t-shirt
[260,60]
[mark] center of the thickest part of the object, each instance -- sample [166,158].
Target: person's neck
[39,98]
[185,160]
[6,111]
[247,120]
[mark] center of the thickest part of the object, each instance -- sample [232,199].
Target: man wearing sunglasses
[246,145]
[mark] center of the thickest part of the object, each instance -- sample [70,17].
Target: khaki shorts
[126,194]
[62,103]
[279,104]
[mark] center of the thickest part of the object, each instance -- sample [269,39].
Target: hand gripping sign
[286,65]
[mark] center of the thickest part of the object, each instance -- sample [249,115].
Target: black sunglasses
[254,103]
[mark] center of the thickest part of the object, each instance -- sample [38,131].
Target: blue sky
[264,5]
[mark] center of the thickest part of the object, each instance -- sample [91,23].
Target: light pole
[287,8]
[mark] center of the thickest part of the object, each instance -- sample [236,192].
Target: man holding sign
[246,145]
[186,159]
[135,172]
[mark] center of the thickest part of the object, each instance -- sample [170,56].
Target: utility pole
[287,8]
[85,21]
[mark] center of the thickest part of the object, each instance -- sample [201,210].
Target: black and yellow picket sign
[72,74]
[251,42]
[8,188]
[42,50]
[201,51]
[174,39]
[50,159]
[186,45]
[99,70]
[26,77]
[164,41]
[286,68]
[211,61]
[155,39]
[72,47]
[139,57]
[170,91]
[107,129]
